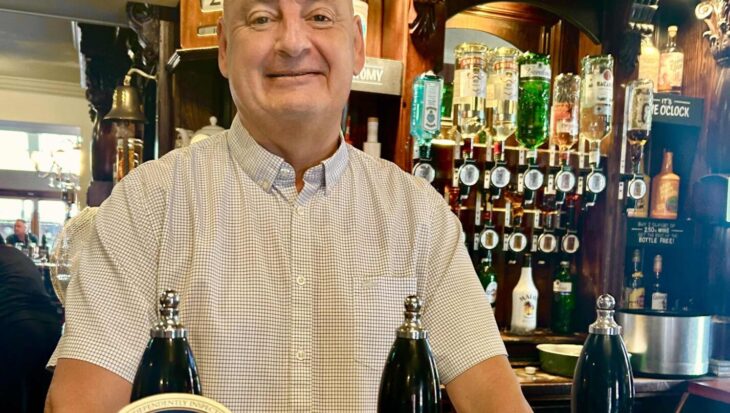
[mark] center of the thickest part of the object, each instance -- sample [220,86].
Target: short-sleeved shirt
[291,299]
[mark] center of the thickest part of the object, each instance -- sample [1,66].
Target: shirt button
[298,210]
[300,280]
[300,355]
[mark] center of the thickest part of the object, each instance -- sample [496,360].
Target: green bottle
[563,300]
[488,277]
[534,99]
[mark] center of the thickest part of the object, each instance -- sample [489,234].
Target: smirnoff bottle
[524,301]
[603,381]
[167,364]
[410,381]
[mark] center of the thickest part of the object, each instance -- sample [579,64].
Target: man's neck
[301,144]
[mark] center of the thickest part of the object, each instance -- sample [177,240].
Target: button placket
[301,307]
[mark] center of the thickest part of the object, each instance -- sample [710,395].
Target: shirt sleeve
[462,328]
[111,301]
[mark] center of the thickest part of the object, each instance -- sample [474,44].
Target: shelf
[544,336]
[381,76]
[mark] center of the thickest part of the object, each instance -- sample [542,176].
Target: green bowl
[559,359]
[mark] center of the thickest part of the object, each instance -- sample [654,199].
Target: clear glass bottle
[658,295]
[410,381]
[596,100]
[470,88]
[649,61]
[167,364]
[638,116]
[504,70]
[561,319]
[671,64]
[488,278]
[665,191]
[534,100]
[564,113]
[524,301]
[425,111]
[603,381]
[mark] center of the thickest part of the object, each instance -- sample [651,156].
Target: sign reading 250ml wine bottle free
[175,403]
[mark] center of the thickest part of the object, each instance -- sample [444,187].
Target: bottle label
[505,84]
[547,243]
[431,118]
[667,198]
[174,402]
[641,111]
[489,238]
[562,286]
[636,299]
[491,291]
[599,91]
[563,120]
[469,83]
[537,70]
[527,308]
[670,71]
[659,301]
[517,242]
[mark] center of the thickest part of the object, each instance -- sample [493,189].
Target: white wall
[58,103]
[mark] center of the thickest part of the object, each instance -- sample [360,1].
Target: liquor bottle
[371,146]
[658,296]
[636,291]
[671,66]
[649,61]
[426,120]
[488,278]
[43,250]
[603,381]
[524,302]
[534,100]
[665,191]
[596,101]
[561,320]
[505,80]
[167,364]
[410,381]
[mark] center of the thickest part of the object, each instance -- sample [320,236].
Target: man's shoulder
[389,180]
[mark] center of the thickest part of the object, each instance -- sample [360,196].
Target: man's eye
[321,18]
[259,21]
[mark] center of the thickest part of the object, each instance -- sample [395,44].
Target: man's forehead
[249,3]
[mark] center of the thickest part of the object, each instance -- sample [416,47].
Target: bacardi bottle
[596,101]
[167,364]
[410,381]
[524,302]
[603,381]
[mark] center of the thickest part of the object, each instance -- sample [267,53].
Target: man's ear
[359,46]
[222,48]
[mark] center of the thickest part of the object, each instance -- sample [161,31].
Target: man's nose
[292,37]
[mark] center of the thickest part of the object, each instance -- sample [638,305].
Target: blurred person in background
[21,234]
[30,327]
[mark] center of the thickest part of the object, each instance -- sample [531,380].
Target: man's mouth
[292,74]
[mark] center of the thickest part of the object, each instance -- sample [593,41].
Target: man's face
[290,58]
[19,228]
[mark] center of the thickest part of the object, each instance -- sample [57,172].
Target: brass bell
[126,105]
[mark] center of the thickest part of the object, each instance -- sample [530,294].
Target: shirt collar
[268,170]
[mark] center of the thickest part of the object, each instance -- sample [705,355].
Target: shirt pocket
[379,313]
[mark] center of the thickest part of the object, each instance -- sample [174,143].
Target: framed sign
[198,22]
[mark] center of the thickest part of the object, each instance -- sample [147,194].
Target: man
[21,235]
[291,250]
[30,326]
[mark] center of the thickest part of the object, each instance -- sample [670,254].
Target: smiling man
[291,250]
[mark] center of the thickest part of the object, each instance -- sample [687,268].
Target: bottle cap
[605,324]
[564,264]
[672,29]
[169,325]
[530,370]
[411,327]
